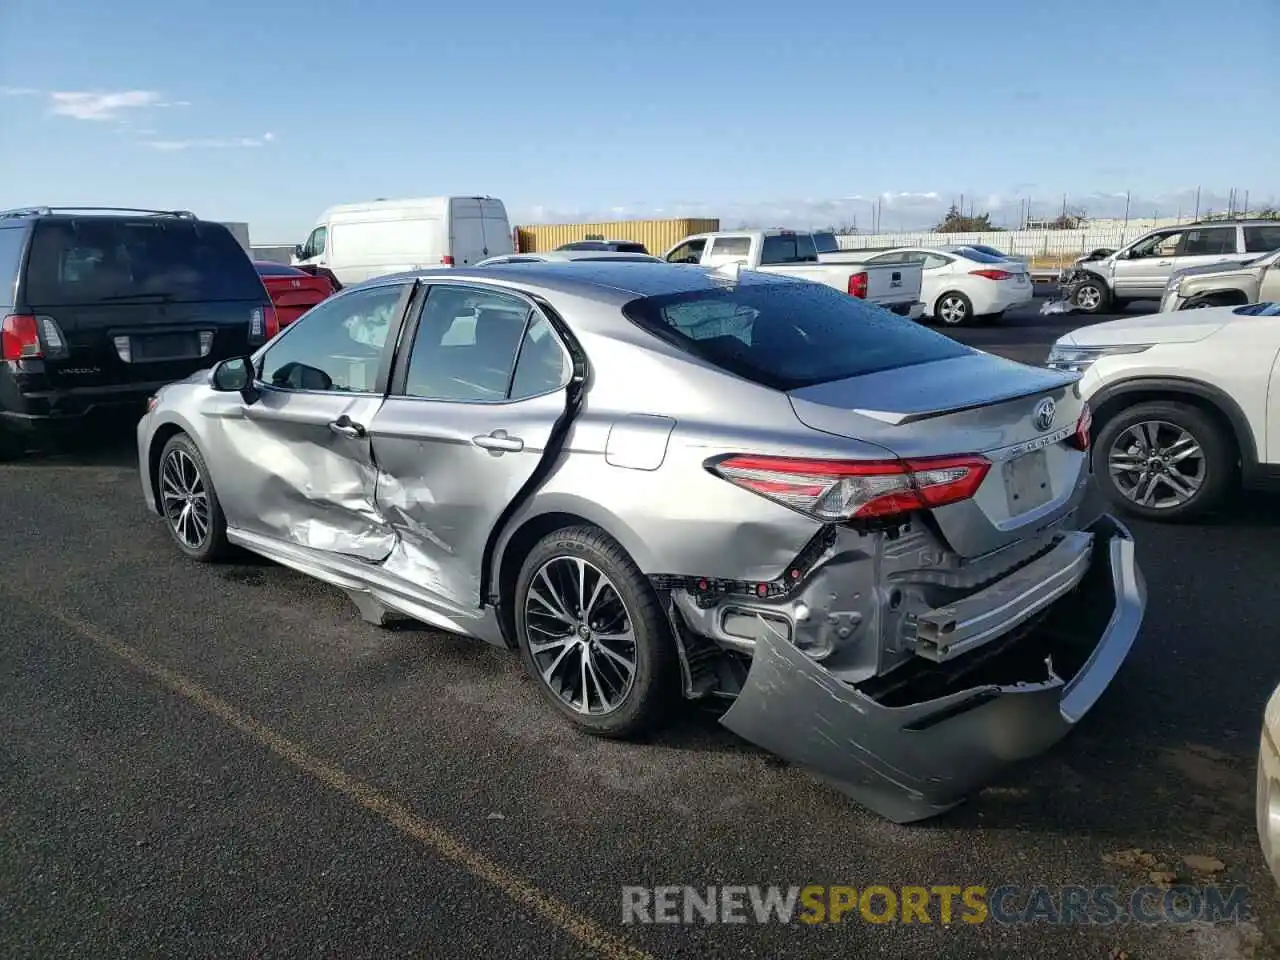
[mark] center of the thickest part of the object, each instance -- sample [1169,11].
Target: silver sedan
[658,481]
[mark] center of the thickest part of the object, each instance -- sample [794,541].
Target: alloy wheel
[185,498]
[1088,298]
[1157,464]
[952,310]
[580,635]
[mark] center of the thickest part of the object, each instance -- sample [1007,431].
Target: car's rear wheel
[953,309]
[1164,461]
[593,635]
[192,513]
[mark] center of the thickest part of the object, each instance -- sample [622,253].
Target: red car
[293,290]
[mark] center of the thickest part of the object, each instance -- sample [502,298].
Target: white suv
[1186,406]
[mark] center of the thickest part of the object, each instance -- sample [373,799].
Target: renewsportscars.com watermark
[816,904]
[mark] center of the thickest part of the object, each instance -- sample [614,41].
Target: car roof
[570,256]
[605,280]
[104,213]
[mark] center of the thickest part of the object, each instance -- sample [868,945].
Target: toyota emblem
[1045,411]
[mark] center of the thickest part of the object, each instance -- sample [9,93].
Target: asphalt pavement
[225,761]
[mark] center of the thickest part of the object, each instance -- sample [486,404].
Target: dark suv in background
[99,308]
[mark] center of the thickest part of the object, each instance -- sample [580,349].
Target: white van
[359,241]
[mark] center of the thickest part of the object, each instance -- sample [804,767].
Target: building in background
[658,236]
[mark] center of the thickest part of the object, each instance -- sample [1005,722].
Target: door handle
[344,426]
[499,440]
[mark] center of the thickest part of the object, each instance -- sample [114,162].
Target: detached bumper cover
[914,761]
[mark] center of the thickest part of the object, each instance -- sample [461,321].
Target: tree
[957,222]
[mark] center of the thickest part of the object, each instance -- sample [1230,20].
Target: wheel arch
[553,512]
[1113,398]
[161,435]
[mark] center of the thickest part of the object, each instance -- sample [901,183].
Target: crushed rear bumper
[913,760]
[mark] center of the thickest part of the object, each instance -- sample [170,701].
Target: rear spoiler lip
[896,419]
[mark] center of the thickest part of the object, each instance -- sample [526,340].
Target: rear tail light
[858,285]
[1084,427]
[26,337]
[837,490]
[992,274]
[264,323]
[447,260]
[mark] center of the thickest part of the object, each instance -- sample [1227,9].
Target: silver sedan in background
[657,480]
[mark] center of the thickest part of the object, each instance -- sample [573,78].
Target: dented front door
[295,461]
[311,479]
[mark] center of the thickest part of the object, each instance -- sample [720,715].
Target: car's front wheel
[189,503]
[593,635]
[1091,296]
[1164,460]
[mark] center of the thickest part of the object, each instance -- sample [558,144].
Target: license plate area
[154,347]
[1026,482]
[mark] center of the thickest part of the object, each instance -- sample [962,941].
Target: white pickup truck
[894,286]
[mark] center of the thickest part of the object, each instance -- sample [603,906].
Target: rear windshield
[279,270]
[788,248]
[98,259]
[976,255]
[826,243]
[789,335]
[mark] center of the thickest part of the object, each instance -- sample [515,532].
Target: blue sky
[790,113]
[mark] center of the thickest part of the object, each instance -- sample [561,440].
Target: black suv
[99,308]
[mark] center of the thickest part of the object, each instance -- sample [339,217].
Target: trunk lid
[1017,416]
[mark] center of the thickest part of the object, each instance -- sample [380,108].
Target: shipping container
[658,236]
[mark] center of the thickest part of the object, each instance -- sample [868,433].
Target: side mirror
[235,375]
[297,251]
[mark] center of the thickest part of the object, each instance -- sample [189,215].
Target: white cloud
[83,105]
[906,210]
[209,143]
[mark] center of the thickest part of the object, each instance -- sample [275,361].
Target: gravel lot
[226,762]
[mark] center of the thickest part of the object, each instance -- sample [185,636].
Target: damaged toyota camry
[658,480]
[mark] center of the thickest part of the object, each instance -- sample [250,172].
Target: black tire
[1216,444]
[11,446]
[1095,294]
[957,307]
[1206,300]
[213,547]
[646,702]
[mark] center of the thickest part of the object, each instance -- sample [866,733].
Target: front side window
[315,243]
[336,346]
[1157,245]
[474,345]
[688,252]
[789,335]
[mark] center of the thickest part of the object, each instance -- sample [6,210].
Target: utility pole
[1197,213]
[1246,204]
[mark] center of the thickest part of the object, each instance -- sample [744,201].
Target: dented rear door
[470,418]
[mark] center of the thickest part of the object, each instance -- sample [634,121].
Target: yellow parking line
[515,888]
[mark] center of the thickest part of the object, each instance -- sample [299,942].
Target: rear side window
[11,244]
[826,243]
[1209,243]
[789,248]
[1256,239]
[99,259]
[789,335]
